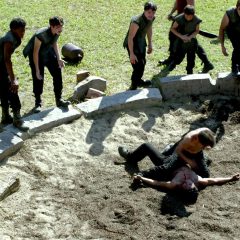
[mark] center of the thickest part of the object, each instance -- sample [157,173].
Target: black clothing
[5,94]
[139,47]
[233,32]
[165,165]
[47,58]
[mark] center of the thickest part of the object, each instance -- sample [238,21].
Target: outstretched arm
[218,181]
[164,185]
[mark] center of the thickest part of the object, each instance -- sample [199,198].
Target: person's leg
[4,90]
[207,65]
[191,55]
[37,84]
[235,61]
[56,73]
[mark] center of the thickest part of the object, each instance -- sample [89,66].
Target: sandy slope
[75,186]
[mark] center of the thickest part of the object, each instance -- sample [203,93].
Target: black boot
[207,67]
[38,104]
[17,121]
[6,117]
[123,152]
[62,103]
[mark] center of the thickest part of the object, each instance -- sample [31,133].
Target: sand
[74,185]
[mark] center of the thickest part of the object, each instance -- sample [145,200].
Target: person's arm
[56,49]
[194,34]
[174,8]
[180,152]
[174,30]
[218,181]
[132,32]
[149,37]
[36,48]
[163,185]
[8,50]
[224,24]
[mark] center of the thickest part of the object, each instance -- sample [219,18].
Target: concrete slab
[46,119]
[9,144]
[91,82]
[120,101]
[184,85]
[227,84]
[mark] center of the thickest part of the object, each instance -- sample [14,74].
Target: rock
[9,186]
[81,75]
[94,93]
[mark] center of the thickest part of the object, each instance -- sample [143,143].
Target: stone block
[194,84]
[82,74]
[81,89]
[129,99]
[9,144]
[94,93]
[228,85]
[45,120]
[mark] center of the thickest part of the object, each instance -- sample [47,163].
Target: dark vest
[9,37]
[139,41]
[233,28]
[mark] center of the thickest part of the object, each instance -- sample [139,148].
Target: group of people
[181,167]
[182,37]
[42,50]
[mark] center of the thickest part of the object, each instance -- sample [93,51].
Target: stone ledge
[44,120]
[121,101]
[9,144]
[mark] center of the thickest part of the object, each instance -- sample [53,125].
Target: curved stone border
[196,84]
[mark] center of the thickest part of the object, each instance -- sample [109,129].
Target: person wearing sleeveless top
[231,25]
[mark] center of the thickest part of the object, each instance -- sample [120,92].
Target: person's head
[17,26]
[149,10]
[189,12]
[56,24]
[190,196]
[238,4]
[206,138]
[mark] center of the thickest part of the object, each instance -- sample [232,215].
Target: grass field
[99,28]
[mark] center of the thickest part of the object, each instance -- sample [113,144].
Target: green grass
[99,27]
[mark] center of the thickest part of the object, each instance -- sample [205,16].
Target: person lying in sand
[189,150]
[185,180]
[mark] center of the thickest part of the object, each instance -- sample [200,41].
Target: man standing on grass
[179,6]
[231,24]
[135,42]
[8,81]
[42,50]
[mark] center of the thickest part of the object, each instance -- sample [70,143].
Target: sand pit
[74,185]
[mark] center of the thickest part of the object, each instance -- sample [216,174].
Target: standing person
[8,81]
[135,42]
[231,24]
[185,28]
[42,50]
[179,6]
[189,150]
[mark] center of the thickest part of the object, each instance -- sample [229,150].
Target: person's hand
[224,51]
[14,86]
[38,75]
[186,38]
[133,58]
[170,17]
[61,63]
[235,177]
[150,49]
[137,177]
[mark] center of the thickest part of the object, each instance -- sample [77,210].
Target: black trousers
[236,59]
[166,165]
[199,50]
[52,65]
[7,97]
[138,68]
